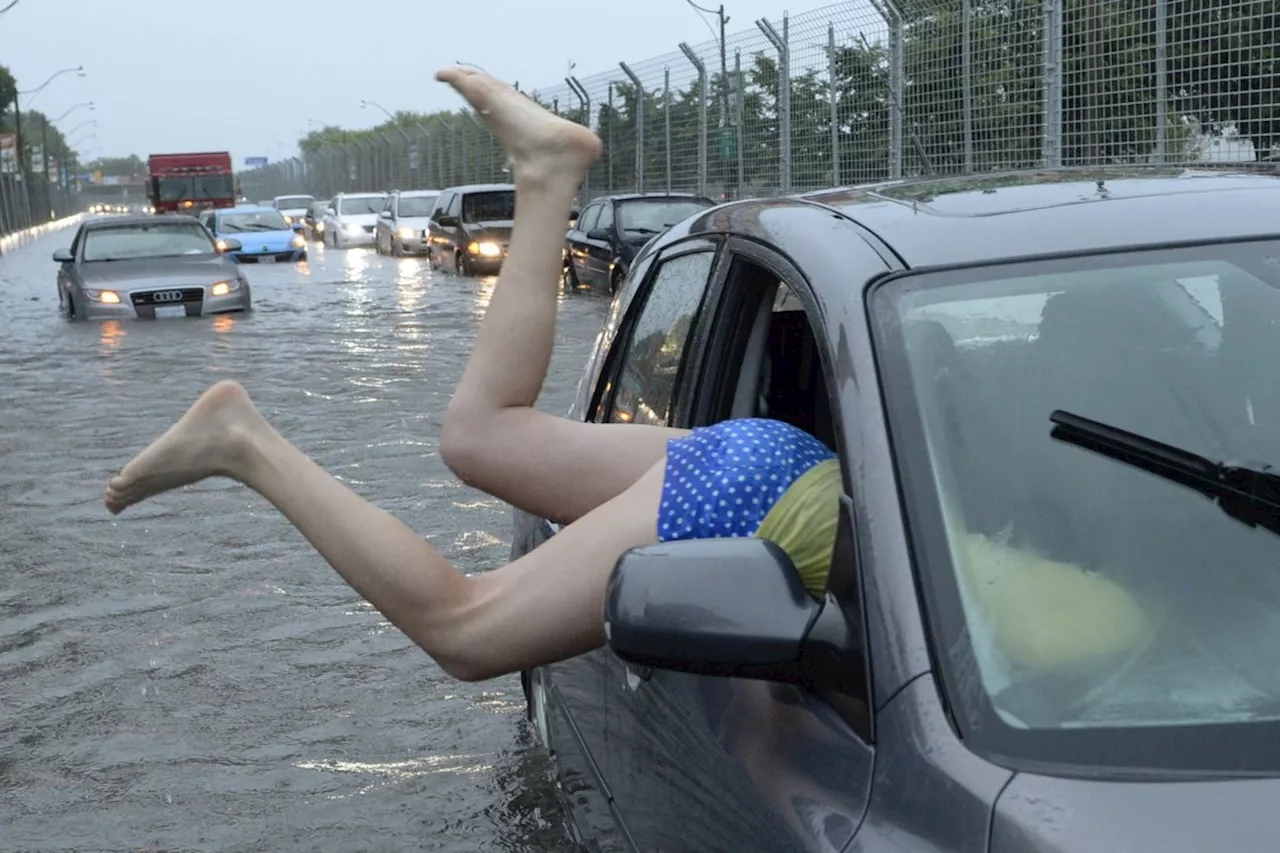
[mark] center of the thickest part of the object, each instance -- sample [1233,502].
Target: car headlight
[407,233]
[221,245]
[319,226]
[352,227]
[107,297]
[222,288]
[288,219]
[485,250]
[299,241]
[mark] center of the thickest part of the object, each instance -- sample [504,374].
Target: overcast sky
[248,75]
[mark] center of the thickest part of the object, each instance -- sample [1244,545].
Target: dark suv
[470,227]
[1038,633]
[607,235]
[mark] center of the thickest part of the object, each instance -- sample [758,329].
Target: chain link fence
[30,200]
[879,89]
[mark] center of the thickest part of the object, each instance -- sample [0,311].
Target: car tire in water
[568,278]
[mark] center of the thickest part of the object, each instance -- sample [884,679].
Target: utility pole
[726,142]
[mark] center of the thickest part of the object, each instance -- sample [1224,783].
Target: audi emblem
[167,296]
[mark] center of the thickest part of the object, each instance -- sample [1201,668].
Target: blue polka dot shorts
[722,480]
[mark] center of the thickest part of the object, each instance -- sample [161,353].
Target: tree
[131,166]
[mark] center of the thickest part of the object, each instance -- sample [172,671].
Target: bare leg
[544,607]
[493,438]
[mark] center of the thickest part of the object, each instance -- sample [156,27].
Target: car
[470,227]
[350,217]
[150,267]
[263,234]
[294,207]
[1038,634]
[606,236]
[402,225]
[313,220]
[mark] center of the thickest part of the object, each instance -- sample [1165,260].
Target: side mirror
[230,244]
[573,215]
[63,256]
[296,225]
[444,220]
[721,607]
[601,234]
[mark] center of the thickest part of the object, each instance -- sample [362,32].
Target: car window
[606,216]
[240,223]
[455,205]
[497,205]
[415,205]
[655,215]
[442,205]
[359,205]
[146,241]
[649,367]
[588,219]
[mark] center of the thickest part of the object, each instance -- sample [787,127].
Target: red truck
[188,183]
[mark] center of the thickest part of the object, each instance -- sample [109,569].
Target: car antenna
[897,105]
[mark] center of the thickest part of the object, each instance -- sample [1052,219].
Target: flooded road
[192,676]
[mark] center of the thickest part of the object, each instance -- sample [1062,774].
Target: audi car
[148,267]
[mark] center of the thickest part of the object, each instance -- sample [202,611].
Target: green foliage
[119,166]
[8,88]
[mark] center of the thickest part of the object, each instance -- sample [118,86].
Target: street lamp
[88,104]
[17,111]
[364,104]
[88,122]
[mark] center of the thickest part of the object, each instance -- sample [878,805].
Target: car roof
[362,195]
[247,208]
[417,193]
[639,196]
[1021,214]
[294,195]
[480,188]
[1013,215]
[137,219]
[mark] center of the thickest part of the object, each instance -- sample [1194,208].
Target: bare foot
[543,147]
[203,443]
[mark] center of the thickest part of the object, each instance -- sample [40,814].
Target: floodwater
[192,676]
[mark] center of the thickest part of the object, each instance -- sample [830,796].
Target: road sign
[728,143]
[255,162]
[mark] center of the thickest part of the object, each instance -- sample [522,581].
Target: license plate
[267,259]
[164,312]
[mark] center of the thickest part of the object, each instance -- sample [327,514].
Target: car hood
[492,229]
[251,239]
[1037,813]
[357,218]
[417,223]
[157,272]
[294,211]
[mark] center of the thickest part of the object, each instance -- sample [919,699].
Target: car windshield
[1105,610]
[202,188]
[357,205]
[653,216]
[294,202]
[416,205]
[318,208]
[499,206]
[258,220]
[146,241]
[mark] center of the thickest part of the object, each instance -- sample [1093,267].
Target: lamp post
[17,111]
[364,104]
[88,104]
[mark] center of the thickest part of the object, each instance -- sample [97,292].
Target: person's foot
[205,442]
[542,146]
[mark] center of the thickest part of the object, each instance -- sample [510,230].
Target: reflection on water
[356,262]
[111,333]
[223,323]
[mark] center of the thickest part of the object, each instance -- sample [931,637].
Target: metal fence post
[1051,145]
[1162,80]
[480,128]
[609,142]
[779,42]
[740,120]
[704,95]
[640,97]
[666,119]
[585,100]
[835,101]
[966,81]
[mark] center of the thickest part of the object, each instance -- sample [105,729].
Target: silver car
[152,267]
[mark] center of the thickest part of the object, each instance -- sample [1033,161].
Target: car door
[575,242]
[704,763]
[598,249]
[451,234]
[386,225]
[67,275]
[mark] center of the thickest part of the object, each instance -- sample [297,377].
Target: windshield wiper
[640,230]
[1249,493]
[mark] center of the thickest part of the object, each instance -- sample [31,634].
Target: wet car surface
[192,676]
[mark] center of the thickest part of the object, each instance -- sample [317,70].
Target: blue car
[265,236]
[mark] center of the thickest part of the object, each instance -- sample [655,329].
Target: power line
[10,6]
[695,8]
